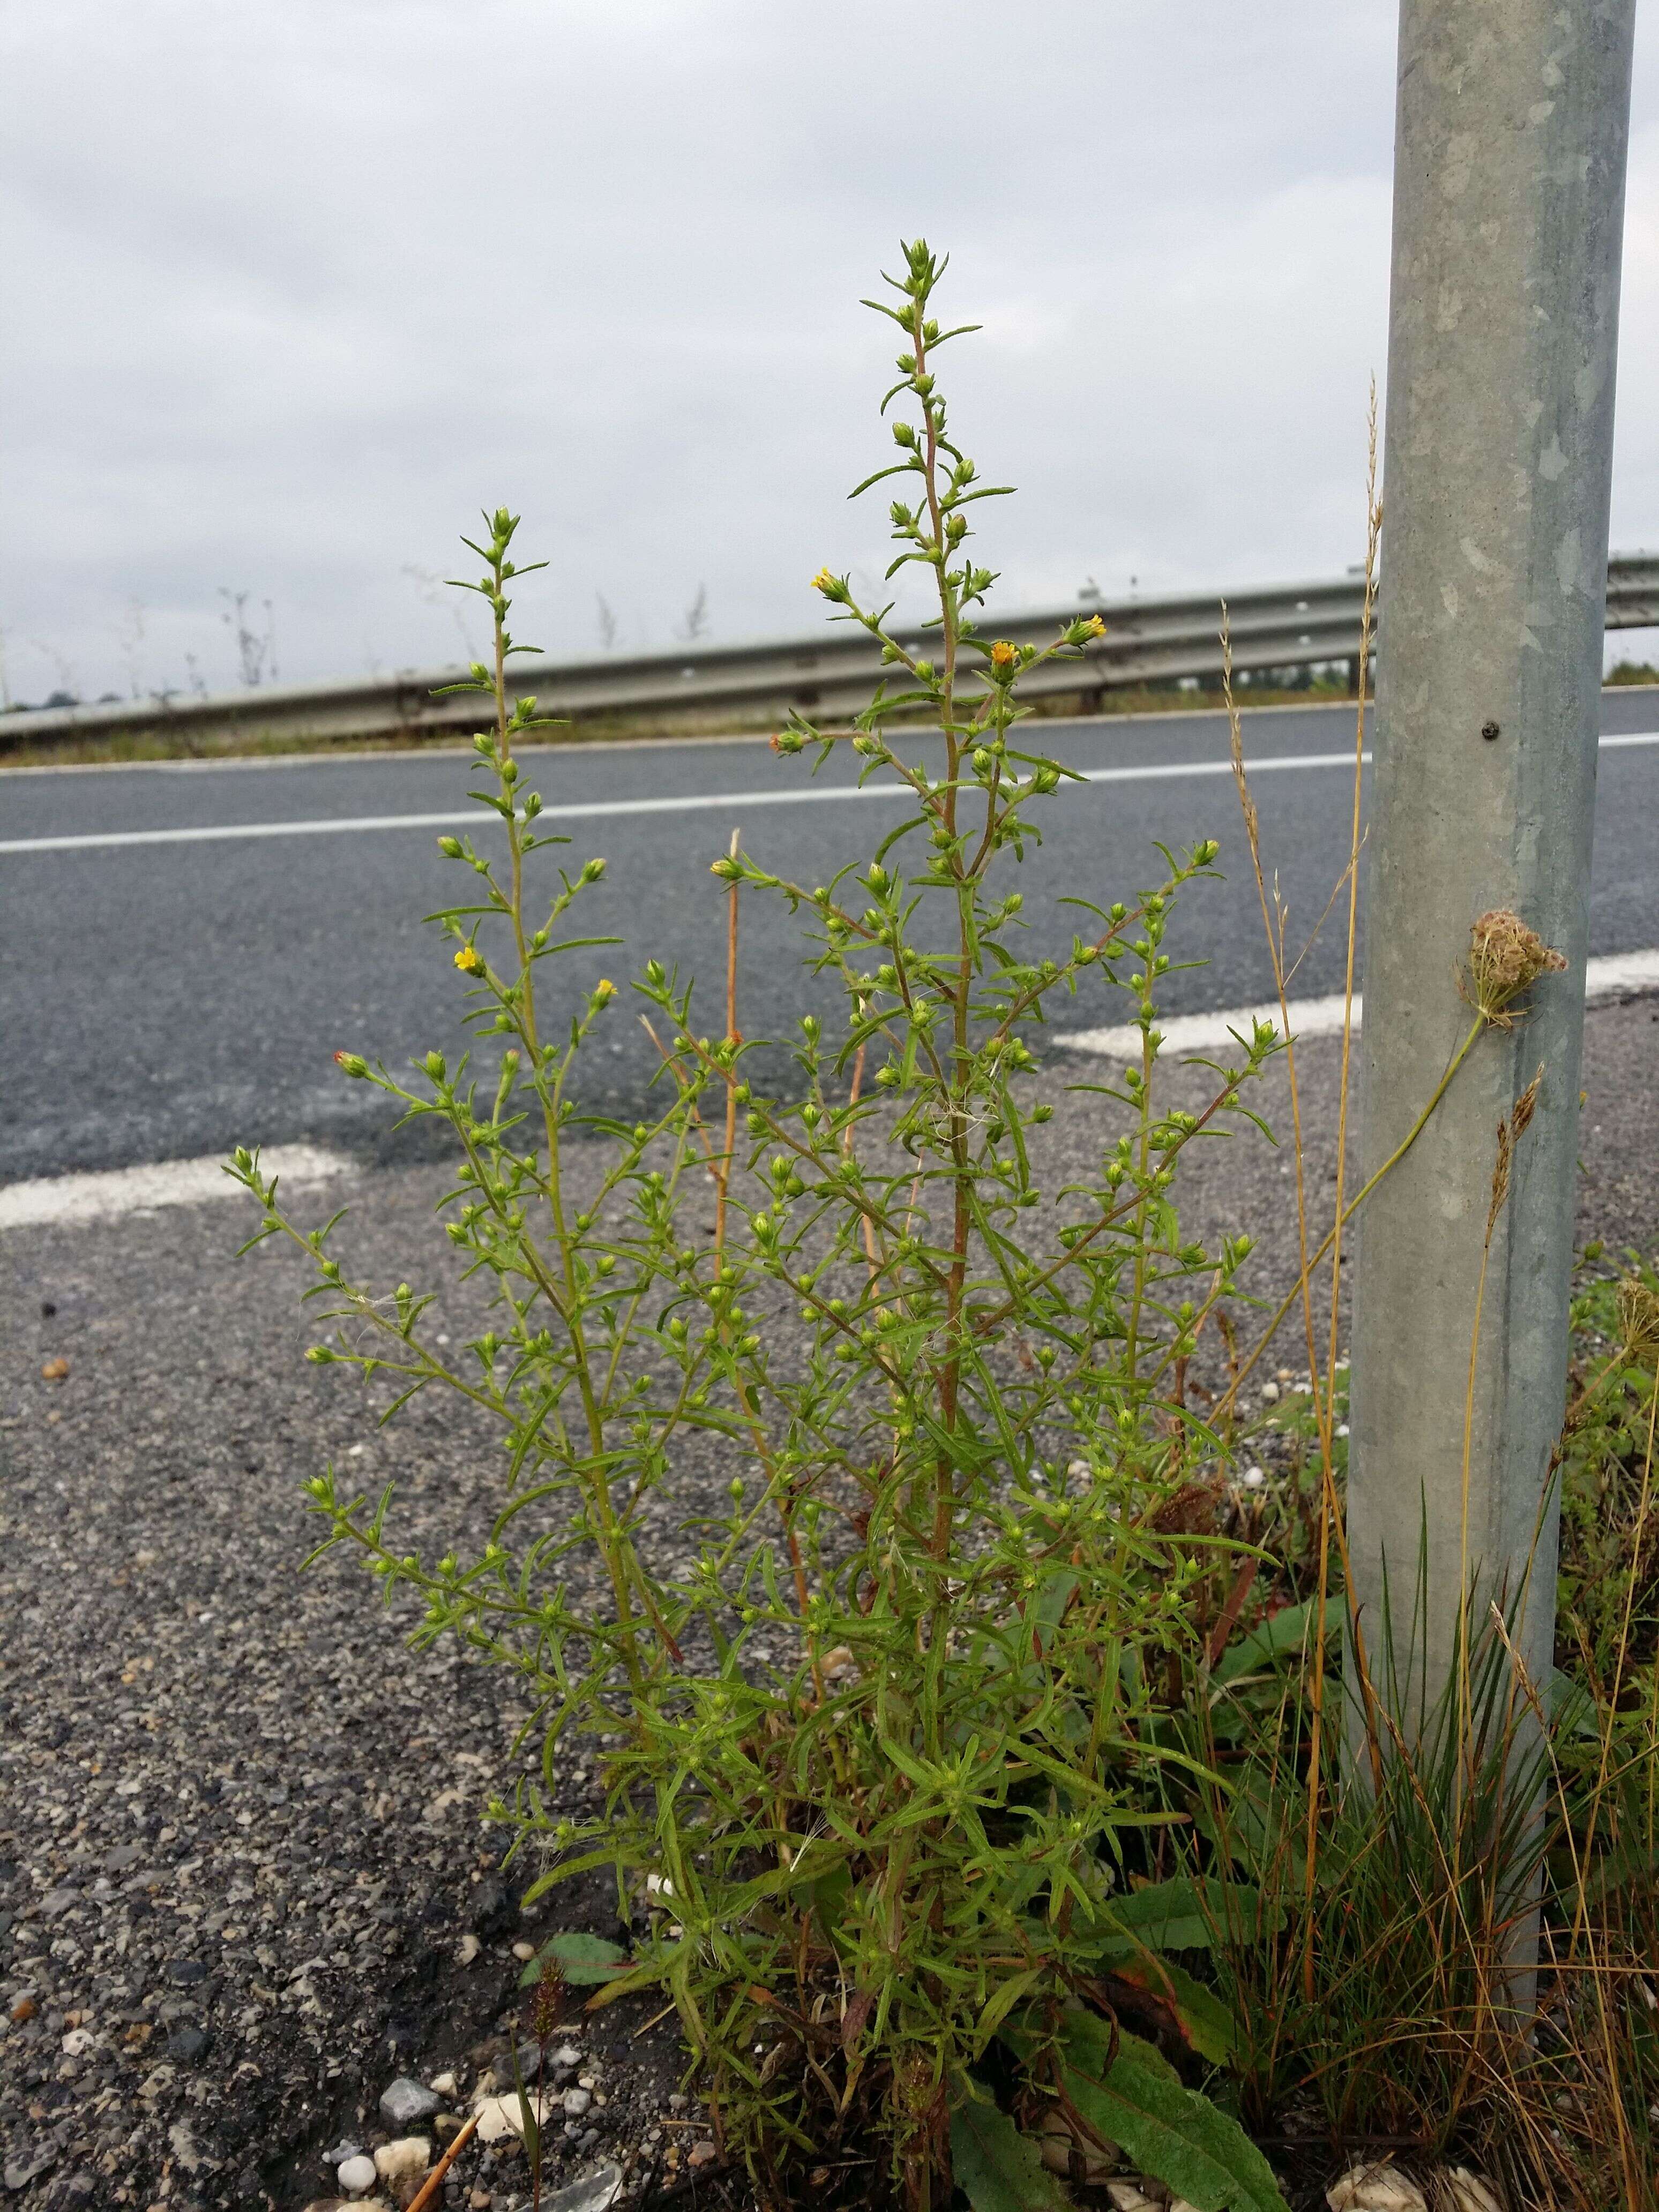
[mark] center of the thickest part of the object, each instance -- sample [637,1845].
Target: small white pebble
[1342,1428]
[443,2084]
[1254,1477]
[1270,1394]
[524,1951]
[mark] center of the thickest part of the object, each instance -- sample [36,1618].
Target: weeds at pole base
[960,1795]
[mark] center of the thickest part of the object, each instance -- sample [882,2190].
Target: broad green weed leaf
[1183,1915]
[996,2167]
[1208,2026]
[580,1956]
[1287,1630]
[1170,2131]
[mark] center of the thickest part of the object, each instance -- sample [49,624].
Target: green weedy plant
[878,1747]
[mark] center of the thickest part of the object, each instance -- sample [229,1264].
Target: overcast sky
[292,287]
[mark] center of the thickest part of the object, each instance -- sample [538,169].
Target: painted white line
[696,802]
[1611,976]
[81,1198]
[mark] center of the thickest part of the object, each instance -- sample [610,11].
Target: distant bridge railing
[1146,642]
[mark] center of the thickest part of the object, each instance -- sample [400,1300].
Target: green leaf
[1203,2018]
[1003,2002]
[580,1956]
[1089,2045]
[996,2167]
[1168,2130]
[1287,1630]
[528,2117]
[1183,1915]
[1571,1707]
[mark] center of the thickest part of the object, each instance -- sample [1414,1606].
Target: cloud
[297,286]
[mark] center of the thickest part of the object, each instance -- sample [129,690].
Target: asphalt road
[170,995]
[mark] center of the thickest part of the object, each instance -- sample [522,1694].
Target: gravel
[249,1913]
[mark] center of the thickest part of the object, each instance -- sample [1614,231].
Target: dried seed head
[1527,1104]
[1510,1133]
[919,2087]
[1638,1318]
[1505,957]
[546,2002]
[1192,1511]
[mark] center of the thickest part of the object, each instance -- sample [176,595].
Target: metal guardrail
[1146,642]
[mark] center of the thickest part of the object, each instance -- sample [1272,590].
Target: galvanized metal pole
[1507,215]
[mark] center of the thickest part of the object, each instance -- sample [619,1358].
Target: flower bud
[353,1064]
[450,847]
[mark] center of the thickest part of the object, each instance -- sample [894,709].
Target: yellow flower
[1003,655]
[1096,626]
[603,991]
[468,961]
[824,581]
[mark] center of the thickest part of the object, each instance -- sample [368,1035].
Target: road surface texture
[240,1848]
[163,999]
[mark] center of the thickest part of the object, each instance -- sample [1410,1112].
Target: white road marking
[1608,977]
[74,1198]
[695,802]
